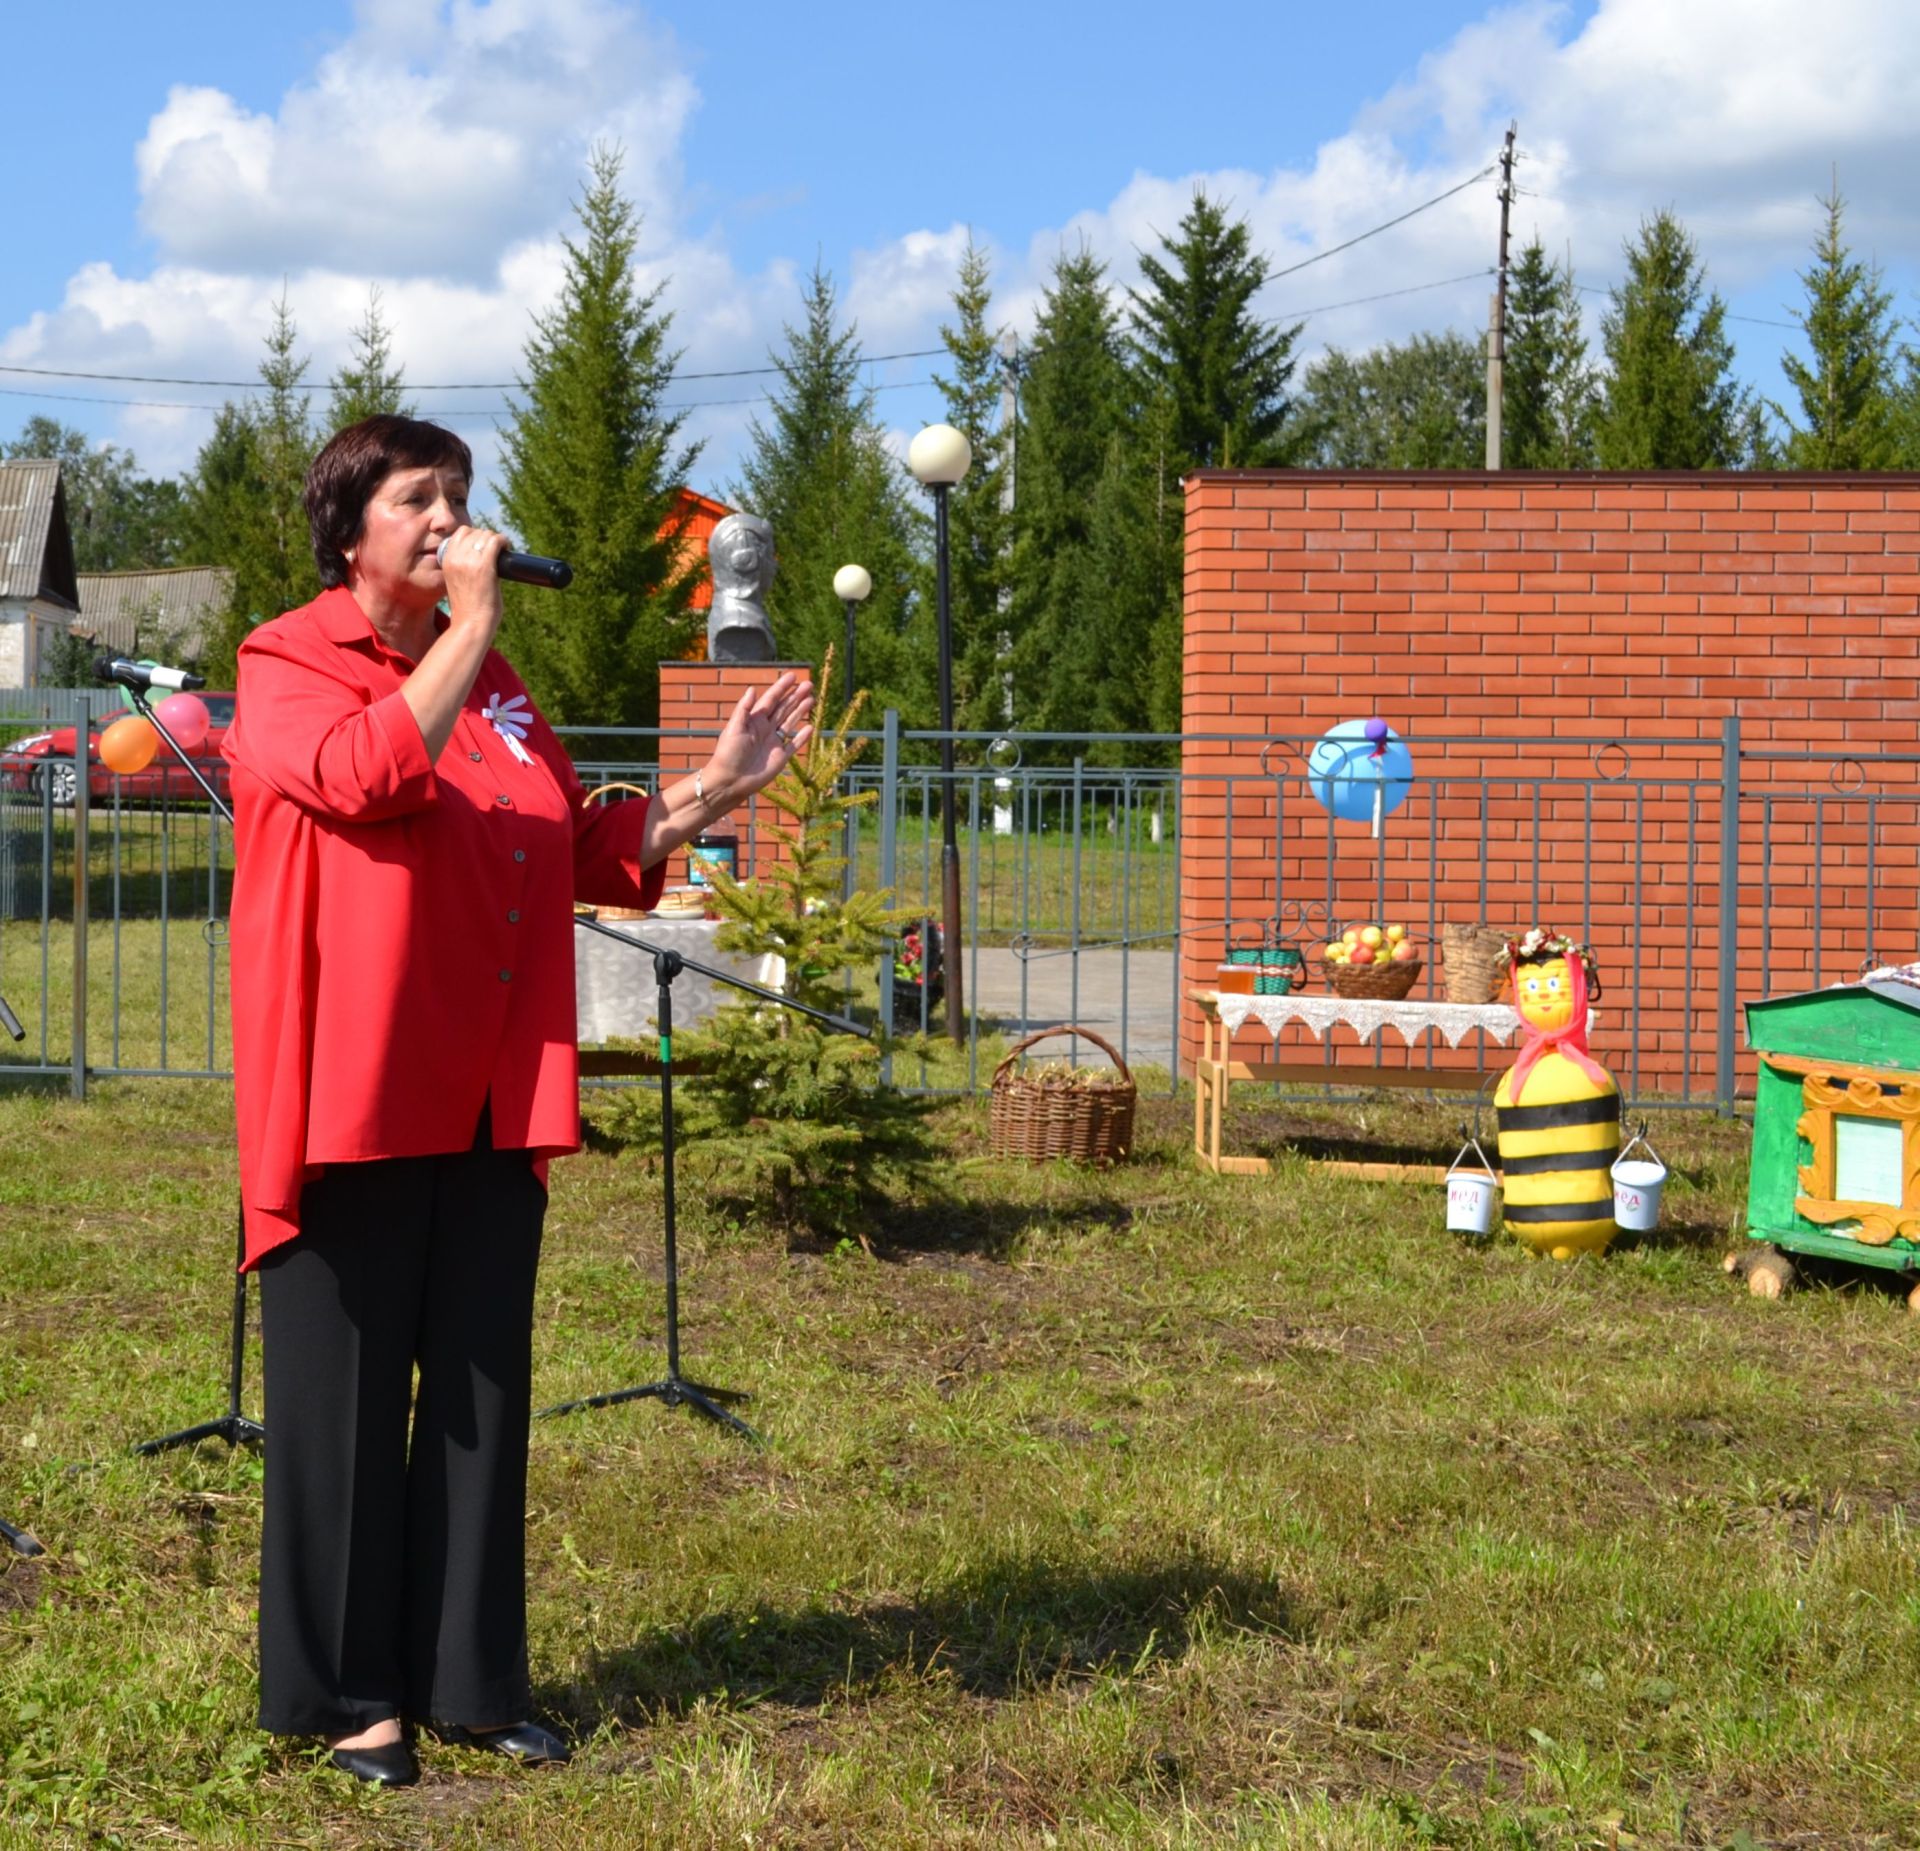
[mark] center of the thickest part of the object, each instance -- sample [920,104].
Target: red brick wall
[696,698]
[1470,610]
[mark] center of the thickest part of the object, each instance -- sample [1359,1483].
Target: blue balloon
[1344,773]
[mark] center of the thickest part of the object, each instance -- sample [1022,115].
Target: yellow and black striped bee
[1560,1126]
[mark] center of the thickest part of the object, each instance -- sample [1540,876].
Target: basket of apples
[1373,961]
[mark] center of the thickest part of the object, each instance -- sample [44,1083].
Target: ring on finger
[781,734]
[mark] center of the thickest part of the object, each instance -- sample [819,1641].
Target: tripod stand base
[235,1429]
[19,1541]
[673,1392]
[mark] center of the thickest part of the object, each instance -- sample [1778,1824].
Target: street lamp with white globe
[939,458]
[852,585]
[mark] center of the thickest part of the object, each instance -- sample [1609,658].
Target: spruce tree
[244,508]
[819,470]
[1670,400]
[1904,415]
[370,384]
[1199,345]
[591,462]
[1074,400]
[1137,560]
[1421,404]
[1847,388]
[979,528]
[1550,396]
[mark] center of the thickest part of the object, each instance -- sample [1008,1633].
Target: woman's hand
[470,564]
[438,688]
[761,736]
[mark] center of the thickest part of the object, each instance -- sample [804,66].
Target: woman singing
[410,841]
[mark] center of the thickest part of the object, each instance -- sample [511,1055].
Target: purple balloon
[1377,730]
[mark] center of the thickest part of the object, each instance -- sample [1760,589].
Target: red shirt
[402,932]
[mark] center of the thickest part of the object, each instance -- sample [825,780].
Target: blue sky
[178,165]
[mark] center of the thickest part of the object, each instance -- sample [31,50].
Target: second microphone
[527,569]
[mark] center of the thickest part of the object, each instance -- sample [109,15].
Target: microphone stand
[18,1540]
[673,1389]
[236,1428]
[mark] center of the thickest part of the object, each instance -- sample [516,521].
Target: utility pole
[1010,463]
[1497,324]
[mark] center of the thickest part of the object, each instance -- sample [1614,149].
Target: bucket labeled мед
[1471,1191]
[1636,1192]
[1470,1199]
[1637,1182]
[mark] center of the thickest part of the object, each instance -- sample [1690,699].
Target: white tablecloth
[1410,1019]
[616,990]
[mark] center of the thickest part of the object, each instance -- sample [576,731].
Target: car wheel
[60,776]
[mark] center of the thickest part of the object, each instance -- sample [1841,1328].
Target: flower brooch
[512,719]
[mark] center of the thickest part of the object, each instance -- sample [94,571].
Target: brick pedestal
[695,699]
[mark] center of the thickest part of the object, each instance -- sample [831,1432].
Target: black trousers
[393,1576]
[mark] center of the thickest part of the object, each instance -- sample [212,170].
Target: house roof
[36,544]
[127,612]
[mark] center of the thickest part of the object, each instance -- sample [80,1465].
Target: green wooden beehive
[1836,1127]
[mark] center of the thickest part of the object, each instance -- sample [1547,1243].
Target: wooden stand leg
[1769,1273]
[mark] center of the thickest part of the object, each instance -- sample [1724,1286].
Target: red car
[45,759]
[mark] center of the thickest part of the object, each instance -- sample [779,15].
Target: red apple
[1405,951]
[1361,954]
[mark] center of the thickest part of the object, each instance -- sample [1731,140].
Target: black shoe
[390,1765]
[522,1741]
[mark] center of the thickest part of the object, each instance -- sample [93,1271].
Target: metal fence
[1705,870]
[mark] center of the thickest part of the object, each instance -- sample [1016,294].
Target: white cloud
[435,153]
[436,149]
[434,135]
[1730,112]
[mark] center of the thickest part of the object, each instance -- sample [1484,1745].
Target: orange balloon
[129,745]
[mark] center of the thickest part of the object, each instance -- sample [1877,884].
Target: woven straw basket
[1472,969]
[1384,981]
[1090,1124]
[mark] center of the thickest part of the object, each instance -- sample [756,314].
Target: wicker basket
[1472,963]
[1384,981]
[1090,1124]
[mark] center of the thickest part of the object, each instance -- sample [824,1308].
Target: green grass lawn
[1151,1508]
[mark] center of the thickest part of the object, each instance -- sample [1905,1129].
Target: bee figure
[1557,1108]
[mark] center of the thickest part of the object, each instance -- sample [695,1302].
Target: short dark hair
[353,464]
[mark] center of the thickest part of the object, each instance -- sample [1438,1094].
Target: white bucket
[1636,1192]
[1470,1197]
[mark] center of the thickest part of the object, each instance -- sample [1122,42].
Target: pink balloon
[186,717]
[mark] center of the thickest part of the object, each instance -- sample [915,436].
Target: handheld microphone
[526,569]
[140,675]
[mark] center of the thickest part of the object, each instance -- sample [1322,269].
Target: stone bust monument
[741,557]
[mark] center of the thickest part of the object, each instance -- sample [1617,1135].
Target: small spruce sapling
[788,1115]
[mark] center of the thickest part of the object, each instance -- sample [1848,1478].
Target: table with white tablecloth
[1223,1013]
[617,993]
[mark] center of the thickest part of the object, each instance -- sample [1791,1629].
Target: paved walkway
[1116,989]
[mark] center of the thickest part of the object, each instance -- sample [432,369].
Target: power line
[437,411]
[489,411]
[491,385]
[1412,212]
[1412,289]
[1758,321]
